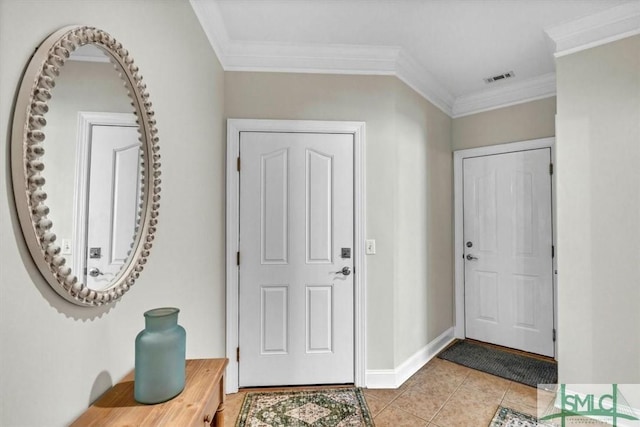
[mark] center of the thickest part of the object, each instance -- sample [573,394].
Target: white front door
[296,313]
[112,208]
[508,250]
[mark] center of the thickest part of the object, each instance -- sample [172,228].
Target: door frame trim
[458,242]
[357,129]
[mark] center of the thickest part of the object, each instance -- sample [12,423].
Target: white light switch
[66,247]
[370,247]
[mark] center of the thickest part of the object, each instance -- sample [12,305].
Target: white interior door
[112,208]
[508,250]
[296,314]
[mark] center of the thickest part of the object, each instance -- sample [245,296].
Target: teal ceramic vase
[160,357]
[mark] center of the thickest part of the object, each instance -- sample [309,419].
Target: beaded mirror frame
[28,165]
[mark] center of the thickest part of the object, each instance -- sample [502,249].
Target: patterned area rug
[506,417]
[515,367]
[344,407]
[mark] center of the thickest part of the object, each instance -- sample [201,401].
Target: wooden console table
[201,403]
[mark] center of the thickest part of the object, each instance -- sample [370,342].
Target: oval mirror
[85,165]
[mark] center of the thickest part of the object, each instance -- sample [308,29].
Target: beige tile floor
[441,394]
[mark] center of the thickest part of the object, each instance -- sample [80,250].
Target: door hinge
[238,258]
[237,354]
[553,251]
[550,168]
[554,335]
[238,164]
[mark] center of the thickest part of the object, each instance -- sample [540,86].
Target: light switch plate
[66,247]
[370,247]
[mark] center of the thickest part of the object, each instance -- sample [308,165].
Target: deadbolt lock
[95,253]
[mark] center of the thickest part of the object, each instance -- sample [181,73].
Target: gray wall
[409,208]
[56,358]
[423,279]
[531,120]
[598,158]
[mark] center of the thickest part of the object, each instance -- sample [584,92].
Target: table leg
[218,419]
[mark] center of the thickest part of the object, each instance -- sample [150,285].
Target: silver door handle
[94,272]
[470,257]
[345,270]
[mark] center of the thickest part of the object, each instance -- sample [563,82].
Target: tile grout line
[391,401]
[383,408]
[449,398]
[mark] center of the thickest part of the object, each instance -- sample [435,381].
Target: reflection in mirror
[93,203]
[89,218]
[108,163]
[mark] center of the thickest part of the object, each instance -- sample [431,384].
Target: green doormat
[315,408]
[515,367]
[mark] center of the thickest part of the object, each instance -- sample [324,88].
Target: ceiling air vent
[499,77]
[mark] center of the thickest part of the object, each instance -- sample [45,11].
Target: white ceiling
[442,48]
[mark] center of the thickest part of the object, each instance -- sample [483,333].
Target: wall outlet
[370,247]
[66,247]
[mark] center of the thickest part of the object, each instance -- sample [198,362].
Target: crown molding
[357,59]
[326,59]
[423,82]
[301,58]
[337,59]
[508,94]
[213,25]
[594,30]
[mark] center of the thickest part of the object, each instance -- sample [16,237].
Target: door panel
[508,267]
[487,213]
[296,213]
[319,173]
[319,318]
[275,200]
[112,209]
[486,293]
[274,319]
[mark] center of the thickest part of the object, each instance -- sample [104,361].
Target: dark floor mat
[523,369]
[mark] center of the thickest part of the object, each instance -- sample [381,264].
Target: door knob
[94,272]
[471,257]
[345,270]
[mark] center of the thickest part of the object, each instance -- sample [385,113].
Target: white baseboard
[394,378]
